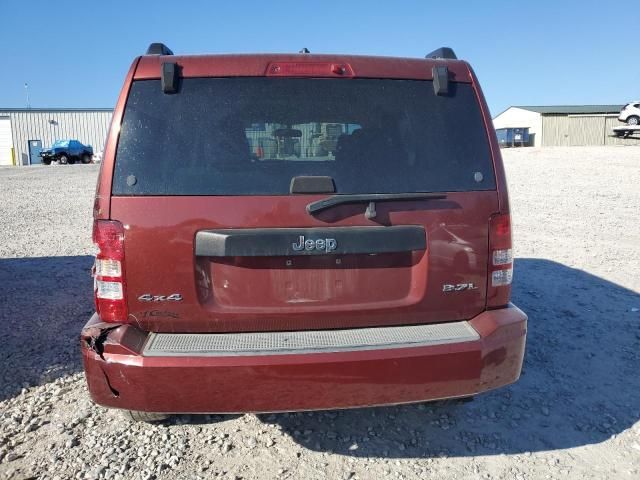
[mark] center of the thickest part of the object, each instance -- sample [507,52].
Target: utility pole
[26,89]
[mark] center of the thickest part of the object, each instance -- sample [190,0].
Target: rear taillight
[500,261]
[109,284]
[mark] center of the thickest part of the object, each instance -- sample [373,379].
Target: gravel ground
[574,414]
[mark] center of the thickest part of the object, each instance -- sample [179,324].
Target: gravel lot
[574,414]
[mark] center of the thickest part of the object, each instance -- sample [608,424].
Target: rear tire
[633,120]
[137,416]
[86,158]
[63,159]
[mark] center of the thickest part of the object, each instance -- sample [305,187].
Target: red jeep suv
[296,232]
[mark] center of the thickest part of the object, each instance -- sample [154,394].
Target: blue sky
[76,53]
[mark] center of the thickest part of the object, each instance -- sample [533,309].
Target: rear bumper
[120,376]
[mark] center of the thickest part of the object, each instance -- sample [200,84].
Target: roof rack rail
[158,49]
[443,52]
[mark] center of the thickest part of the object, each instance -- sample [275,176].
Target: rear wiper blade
[371,198]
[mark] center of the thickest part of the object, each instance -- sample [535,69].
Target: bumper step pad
[300,342]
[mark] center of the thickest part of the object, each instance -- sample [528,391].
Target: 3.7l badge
[458,287]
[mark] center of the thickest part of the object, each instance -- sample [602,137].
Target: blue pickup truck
[67,151]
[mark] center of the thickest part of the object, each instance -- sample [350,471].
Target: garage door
[5,141]
[562,130]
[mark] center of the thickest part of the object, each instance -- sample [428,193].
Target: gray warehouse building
[566,125]
[23,132]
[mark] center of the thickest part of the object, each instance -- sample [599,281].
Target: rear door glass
[251,136]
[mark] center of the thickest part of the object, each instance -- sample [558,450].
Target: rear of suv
[297,232]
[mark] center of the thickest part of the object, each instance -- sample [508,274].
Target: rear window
[251,136]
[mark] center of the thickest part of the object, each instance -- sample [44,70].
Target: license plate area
[327,281]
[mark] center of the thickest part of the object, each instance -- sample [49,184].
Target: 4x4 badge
[147,297]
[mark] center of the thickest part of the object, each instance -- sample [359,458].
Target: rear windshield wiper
[371,198]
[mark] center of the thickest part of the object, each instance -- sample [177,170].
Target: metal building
[23,132]
[566,125]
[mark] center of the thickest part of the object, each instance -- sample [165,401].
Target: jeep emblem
[327,245]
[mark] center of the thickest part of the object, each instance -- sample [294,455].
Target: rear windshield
[251,136]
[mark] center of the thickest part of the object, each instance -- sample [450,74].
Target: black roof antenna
[445,53]
[158,49]
[304,50]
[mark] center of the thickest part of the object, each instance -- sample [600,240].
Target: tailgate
[374,274]
[218,237]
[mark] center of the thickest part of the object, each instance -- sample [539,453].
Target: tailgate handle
[274,242]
